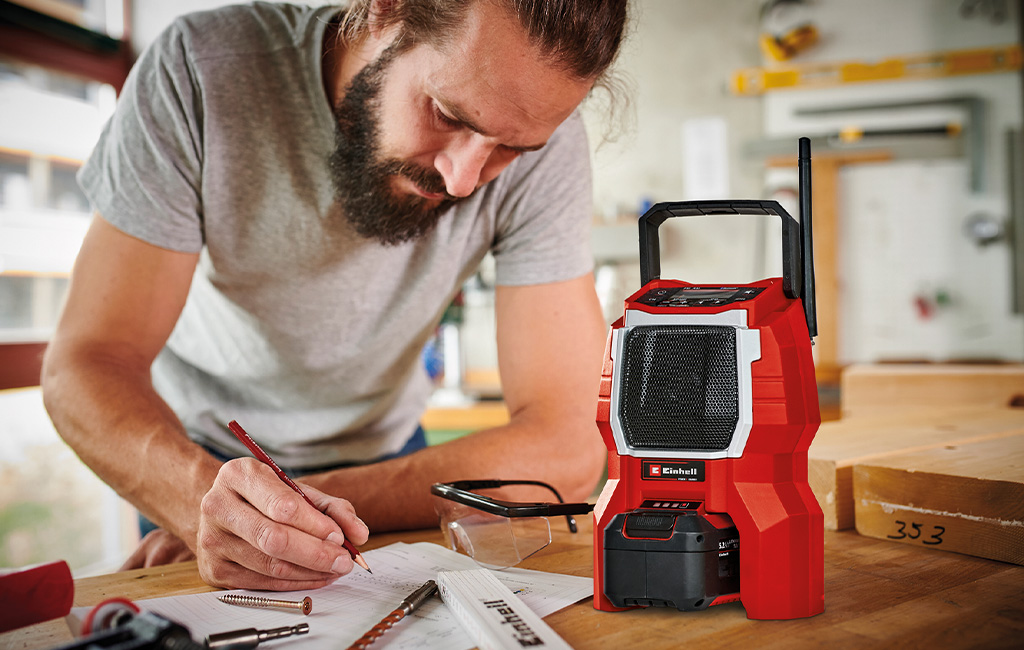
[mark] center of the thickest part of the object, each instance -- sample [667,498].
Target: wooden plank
[967,498]
[472,417]
[870,389]
[840,445]
[825,225]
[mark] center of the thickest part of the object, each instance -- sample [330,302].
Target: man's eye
[444,119]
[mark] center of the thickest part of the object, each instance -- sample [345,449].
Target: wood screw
[306,604]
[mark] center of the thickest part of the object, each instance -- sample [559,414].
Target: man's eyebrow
[460,116]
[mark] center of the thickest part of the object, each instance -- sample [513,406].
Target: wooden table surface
[878,594]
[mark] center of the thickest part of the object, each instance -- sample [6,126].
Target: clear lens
[493,541]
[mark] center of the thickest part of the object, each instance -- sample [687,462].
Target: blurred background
[914,109]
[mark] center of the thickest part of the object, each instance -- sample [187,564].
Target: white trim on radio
[748,350]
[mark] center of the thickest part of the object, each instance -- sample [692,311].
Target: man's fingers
[227,559]
[136,560]
[219,572]
[281,542]
[157,548]
[265,545]
[257,532]
[342,512]
[260,486]
[244,556]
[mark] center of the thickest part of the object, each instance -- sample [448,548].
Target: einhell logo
[666,470]
[521,632]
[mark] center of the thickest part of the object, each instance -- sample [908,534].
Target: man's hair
[582,37]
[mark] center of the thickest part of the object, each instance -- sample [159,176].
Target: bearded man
[287,198]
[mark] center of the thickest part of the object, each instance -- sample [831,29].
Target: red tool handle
[36,594]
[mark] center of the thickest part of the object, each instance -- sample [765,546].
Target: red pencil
[263,457]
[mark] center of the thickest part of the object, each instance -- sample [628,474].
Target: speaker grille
[679,387]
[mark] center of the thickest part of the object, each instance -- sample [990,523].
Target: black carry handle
[650,253]
[797,252]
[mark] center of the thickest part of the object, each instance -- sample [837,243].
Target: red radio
[708,404]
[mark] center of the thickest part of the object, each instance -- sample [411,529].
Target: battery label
[673,470]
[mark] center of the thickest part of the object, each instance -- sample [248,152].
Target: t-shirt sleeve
[144,175]
[543,232]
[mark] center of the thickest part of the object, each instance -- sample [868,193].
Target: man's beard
[362,181]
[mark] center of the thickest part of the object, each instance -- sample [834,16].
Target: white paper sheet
[342,612]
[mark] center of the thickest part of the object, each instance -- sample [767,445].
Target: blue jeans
[416,442]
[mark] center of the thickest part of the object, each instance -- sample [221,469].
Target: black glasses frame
[462,492]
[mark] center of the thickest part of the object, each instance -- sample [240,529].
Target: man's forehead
[492,78]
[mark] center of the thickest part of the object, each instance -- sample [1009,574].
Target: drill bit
[407,606]
[251,637]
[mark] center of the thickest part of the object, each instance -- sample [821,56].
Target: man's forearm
[112,417]
[550,342]
[395,494]
[124,432]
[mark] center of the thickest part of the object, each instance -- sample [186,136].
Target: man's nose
[462,163]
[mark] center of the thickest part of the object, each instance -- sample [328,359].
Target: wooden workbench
[877,594]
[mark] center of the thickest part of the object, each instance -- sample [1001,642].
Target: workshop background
[914,109]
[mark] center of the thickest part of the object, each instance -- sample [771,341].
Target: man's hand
[255,532]
[156,548]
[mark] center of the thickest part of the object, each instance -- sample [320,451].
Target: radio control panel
[698,296]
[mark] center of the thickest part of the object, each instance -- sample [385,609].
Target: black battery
[665,559]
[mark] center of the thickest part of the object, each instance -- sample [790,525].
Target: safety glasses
[498,534]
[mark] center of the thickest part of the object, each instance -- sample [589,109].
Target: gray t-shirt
[305,332]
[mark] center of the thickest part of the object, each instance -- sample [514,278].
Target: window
[14,186]
[48,124]
[59,68]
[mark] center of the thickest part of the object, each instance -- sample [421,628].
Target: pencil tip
[361,562]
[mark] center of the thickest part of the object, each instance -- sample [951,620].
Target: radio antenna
[807,241]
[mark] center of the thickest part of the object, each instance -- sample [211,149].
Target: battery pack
[670,559]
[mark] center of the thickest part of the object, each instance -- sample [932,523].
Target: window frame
[34,37]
